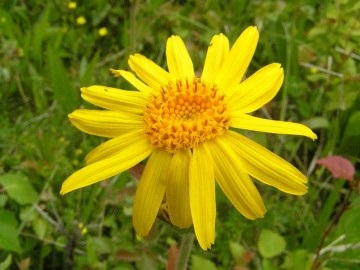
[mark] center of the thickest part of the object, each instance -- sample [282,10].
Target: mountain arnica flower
[187,127]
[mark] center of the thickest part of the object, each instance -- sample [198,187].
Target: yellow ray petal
[244,121]
[115,146]
[257,90]
[150,191]
[115,99]
[234,181]
[178,59]
[177,190]
[238,59]
[131,78]
[215,56]
[152,74]
[202,196]
[105,123]
[105,168]
[266,166]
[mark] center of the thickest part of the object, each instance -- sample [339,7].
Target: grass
[46,57]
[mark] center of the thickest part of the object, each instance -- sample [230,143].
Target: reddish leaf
[339,167]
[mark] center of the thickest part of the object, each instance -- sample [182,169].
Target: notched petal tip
[115,72]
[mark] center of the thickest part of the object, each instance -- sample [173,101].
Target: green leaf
[39,226]
[299,259]
[317,122]
[9,239]
[6,263]
[237,251]
[353,126]
[200,263]
[65,94]
[270,244]
[19,188]
[90,251]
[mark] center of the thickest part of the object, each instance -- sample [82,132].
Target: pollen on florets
[184,114]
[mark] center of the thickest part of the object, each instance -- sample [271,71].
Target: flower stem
[187,240]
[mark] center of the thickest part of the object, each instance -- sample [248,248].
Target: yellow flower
[72,5]
[185,125]
[103,31]
[81,20]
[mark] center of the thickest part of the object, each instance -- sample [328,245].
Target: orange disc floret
[185,113]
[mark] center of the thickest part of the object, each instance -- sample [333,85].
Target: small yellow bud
[103,31]
[72,5]
[80,20]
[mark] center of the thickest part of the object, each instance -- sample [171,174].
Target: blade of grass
[64,92]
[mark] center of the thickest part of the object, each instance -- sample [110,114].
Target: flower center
[184,114]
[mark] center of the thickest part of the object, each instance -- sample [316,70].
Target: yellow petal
[178,59]
[131,78]
[115,99]
[234,181]
[105,123]
[257,90]
[238,59]
[105,168]
[115,146]
[177,190]
[149,72]
[215,56]
[266,166]
[150,191]
[202,196]
[244,121]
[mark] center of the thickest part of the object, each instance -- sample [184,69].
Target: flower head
[72,5]
[81,20]
[103,31]
[184,124]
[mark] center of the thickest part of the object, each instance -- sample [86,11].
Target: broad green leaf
[200,263]
[237,251]
[40,227]
[270,244]
[299,259]
[19,188]
[9,239]
[268,264]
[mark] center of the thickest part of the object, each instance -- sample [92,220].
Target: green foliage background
[45,57]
